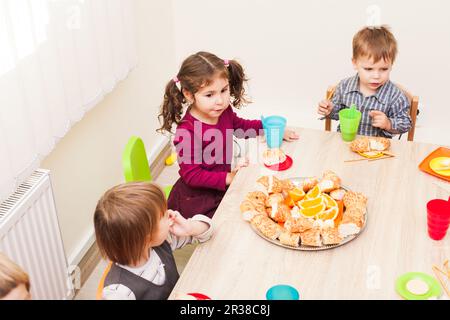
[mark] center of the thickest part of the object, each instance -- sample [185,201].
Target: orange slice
[296,194]
[312,211]
[371,154]
[289,202]
[340,215]
[307,203]
[313,193]
[329,214]
[329,201]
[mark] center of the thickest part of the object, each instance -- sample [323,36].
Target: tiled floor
[88,292]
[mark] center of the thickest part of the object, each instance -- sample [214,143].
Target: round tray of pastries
[308,214]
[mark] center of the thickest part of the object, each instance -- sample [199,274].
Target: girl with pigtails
[205,90]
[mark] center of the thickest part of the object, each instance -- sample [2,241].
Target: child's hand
[179,225]
[230,176]
[242,163]
[290,135]
[380,120]
[325,107]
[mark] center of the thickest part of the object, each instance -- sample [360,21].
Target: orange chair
[413,111]
[98,295]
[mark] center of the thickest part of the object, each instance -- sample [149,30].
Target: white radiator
[30,236]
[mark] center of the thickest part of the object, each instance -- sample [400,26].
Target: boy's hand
[290,135]
[179,225]
[325,107]
[380,120]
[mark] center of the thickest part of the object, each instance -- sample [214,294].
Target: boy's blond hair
[126,217]
[375,43]
[11,276]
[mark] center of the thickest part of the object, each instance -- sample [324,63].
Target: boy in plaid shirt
[384,107]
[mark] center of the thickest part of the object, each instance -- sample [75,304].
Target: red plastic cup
[438,218]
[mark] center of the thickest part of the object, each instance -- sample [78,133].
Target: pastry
[299,224]
[286,185]
[309,183]
[355,213]
[353,198]
[329,182]
[366,144]
[249,215]
[331,236]
[379,144]
[273,156]
[311,237]
[338,194]
[360,145]
[246,205]
[290,239]
[250,209]
[266,226]
[279,212]
[257,197]
[271,183]
[273,199]
[256,220]
[350,225]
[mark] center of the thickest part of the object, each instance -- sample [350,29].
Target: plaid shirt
[388,99]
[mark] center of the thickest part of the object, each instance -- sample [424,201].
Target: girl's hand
[242,163]
[380,120]
[230,176]
[325,107]
[290,135]
[178,225]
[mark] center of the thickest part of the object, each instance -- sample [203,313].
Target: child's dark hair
[125,219]
[199,70]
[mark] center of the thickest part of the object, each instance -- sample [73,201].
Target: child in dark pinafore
[209,87]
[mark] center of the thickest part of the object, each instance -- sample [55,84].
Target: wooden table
[238,264]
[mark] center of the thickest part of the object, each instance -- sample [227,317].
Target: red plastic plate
[281,166]
[199,296]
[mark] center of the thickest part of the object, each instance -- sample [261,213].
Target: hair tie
[226,62]
[177,82]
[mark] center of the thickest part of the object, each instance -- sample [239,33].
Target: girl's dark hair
[199,70]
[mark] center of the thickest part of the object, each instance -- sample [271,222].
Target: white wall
[87,161]
[292,50]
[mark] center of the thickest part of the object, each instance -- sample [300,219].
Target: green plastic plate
[402,281]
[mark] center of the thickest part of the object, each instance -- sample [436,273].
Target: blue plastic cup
[282,292]
[274,127]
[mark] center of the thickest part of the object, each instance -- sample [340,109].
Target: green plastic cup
[349,120]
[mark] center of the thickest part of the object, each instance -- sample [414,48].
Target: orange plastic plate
[425,164]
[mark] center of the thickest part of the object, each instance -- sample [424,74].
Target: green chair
[135,163]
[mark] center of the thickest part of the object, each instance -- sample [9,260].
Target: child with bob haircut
[206,88]
[384,107]
[136,232]
[14,282]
